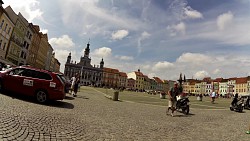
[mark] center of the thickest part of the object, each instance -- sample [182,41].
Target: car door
[29,81]
[13,80]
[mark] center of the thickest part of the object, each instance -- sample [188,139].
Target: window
[17,71]
[27,46]
[2,24]
[24,44]
[42,75]
[9,30]
[24,57]
[4,45]
[27,34]
[28,73]
[5,27]
[22,54]
[30,36]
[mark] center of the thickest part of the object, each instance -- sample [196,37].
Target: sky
[162,38]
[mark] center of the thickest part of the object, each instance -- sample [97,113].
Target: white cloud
[102,20]
[181,10]
[62,47]
[144,35]
[216,71]
[193,14]
[62,42]
[62,55]
[125,58]
[120,34]
[224,20]
[162,66]
[103,52]
[201,74]
[179,28]
[29,8]
[151,75]
[44,31]
[194,58]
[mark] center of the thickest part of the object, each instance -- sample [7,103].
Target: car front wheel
[41,96]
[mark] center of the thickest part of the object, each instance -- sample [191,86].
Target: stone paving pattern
[90,116]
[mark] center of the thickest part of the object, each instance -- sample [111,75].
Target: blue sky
[163,38]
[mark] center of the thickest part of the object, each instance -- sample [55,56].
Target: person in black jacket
[235,100]
[175,91]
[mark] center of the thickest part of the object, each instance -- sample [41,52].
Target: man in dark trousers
[172,93]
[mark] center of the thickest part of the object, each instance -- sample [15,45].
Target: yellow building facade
[6,29]
[139,80]
[42,51]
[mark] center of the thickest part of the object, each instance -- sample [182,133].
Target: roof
[218,79]
[241,80]
[224,80]
[158,80]
[110,70]
[137,73]
[146,78]
[123,74]
[131,79]
[234,78]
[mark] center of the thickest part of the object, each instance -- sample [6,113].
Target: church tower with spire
[87,50]
[89,75]
[85,60]
[102,64]
[69,58]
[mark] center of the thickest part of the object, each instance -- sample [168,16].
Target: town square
[93,116]
[124,70]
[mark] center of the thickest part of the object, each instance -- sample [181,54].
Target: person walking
[76,85]
[213,95]
[73,81]
[174,91]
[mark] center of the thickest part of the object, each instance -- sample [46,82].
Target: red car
[41,84]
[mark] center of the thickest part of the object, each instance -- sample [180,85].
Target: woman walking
[76,85]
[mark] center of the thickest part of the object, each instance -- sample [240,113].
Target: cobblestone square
[91,116]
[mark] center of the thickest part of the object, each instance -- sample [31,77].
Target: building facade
[42,51]
[130,84]
[17,38]
[26,41]
[34,47]
[90,75]
[139,79]
[6,28]
[110,78]
[123,80]
[49,57]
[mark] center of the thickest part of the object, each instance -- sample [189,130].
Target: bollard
[115,96]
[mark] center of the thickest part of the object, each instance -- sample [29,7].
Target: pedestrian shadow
[69,98]
[184,115]
[31,99]
[60,104]
[82,97]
